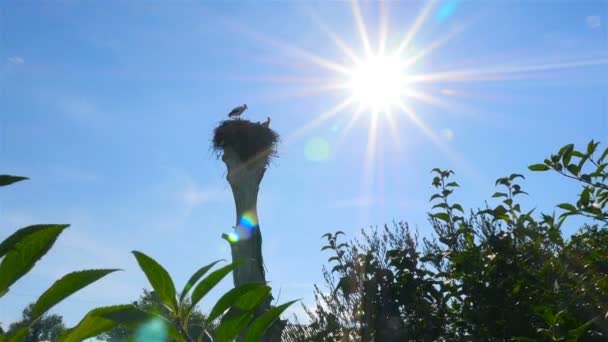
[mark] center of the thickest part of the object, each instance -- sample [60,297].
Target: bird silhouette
[236,112]
[266,123]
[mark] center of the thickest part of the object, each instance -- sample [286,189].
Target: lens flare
[447,9]
[249,220]
[233,237]
[154,330]
[317,149]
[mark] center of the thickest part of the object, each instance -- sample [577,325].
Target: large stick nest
[248,139]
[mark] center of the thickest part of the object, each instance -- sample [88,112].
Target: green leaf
[585,196]
[499,194]
[231,327]
[514,176]
[600,169]
[128,315]
[21,234]
[442,216]
[539,167]
[435,196]
[194,279]
[567,206]
[440,205]
[469,238]
[23,250]
[573,169]
[159,278]
[499,210]
[567,155]
[8,179]
[209,283]
[576,334]
[245,297]
[591,147]
[436,181]
[65,287]
[19,335]
[458,207]
[548,316]
[94,323]
[603,156]
[262,323]
[452,184]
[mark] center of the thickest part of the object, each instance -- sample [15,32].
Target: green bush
[496,274]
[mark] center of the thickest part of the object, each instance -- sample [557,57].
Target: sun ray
[384,22]
[428,98]
[320,119]
[351,123]
[281,79]
[424,13]
[340,43]
[496,74]
[367,179]
[392,126]
[411,114]
[288,48]
[434,45]
[361,27]
[302,92]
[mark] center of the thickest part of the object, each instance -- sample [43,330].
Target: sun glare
[378,83]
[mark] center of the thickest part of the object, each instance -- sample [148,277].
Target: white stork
[236,112]
[266,123]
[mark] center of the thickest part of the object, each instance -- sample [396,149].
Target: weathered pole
[247,149]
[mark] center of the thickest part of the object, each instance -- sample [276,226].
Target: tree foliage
[493,274]
[47,327]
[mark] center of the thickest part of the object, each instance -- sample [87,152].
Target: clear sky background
[109,107]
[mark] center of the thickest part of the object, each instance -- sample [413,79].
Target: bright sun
[378,83]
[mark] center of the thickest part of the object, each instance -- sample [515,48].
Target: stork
[266,123]
[236,112]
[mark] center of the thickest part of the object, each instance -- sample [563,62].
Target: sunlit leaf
[93,324]
[23,250]
[231,327]
[195,278]
[245,297]
[64,287]
[261,324]
[209,283]
[159,278]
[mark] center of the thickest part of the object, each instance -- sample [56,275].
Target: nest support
[251,141]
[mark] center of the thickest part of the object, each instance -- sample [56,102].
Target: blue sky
[109,109]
